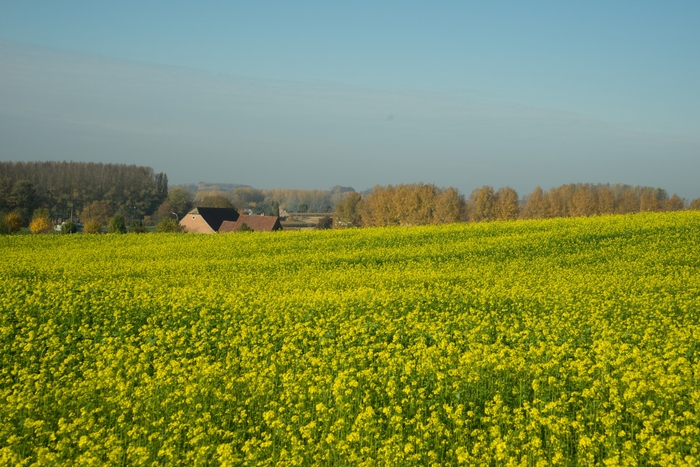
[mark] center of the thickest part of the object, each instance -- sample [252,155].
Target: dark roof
[256,223]
[215,216]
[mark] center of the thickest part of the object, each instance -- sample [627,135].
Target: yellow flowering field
[554,342]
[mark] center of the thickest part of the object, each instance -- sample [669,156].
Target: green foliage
[347,211]
[25,199]
[215,202]
[98,210]
[168,224]
[92,226]
[246,197]
[244,228]
[5,226]
[117,224]
[69,228]
[41,212]
[15,221]
[66,186]
[137,226]
[179,202]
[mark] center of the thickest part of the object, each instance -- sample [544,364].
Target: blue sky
[313,94]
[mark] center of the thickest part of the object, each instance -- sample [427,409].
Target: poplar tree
[507,205]
[481,204]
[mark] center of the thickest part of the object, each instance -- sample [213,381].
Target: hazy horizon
[314,96]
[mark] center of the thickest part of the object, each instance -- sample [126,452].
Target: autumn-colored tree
[379,207]
[99,211]
[14,221]
[649,202]
[560,200]
[584,201]
[627,202]
[507,204]
[450,207]
[482,204]
[695,204]
[414,204]
[92,226]
[606,200]
[40,225]
[536,205]
[674,203]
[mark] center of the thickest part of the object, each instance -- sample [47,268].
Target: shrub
[168,224]
[69,228]
[324,223]
[137,226]
[15,221]
[92,226]
[5,228]
[244,228]
[41,212]
[40,225]
[117,224]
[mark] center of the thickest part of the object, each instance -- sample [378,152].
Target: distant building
[255,223]
[207,220]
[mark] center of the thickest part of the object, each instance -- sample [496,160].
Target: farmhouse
[207,220]
[212,220]
[256,223]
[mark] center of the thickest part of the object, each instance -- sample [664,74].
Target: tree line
[420,204]
[96,193]
[80,189]
[269,201]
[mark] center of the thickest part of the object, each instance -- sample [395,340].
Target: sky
[316,94]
